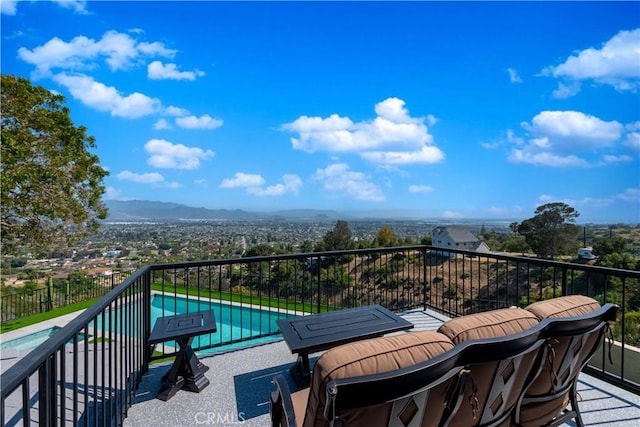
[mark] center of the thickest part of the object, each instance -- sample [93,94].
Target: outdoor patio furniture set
[508,366]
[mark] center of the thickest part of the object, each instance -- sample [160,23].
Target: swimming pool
[237,324]
[31,341]
[234,322]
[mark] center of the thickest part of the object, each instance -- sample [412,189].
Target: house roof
[458,234]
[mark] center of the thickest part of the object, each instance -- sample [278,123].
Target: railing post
[319,269]
[46,393]
[146,316]
[49,296]
[424,278]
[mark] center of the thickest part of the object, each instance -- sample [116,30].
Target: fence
[18,302]
[97,360]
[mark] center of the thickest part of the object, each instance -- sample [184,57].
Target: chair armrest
[281,405]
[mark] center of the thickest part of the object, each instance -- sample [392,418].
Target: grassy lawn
[180,290]
[12,325]
[239,297]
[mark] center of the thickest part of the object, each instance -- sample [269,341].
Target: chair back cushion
[373,356]
[499,382]
[567,306]
[566,357]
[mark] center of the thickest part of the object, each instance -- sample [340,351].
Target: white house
[457,237]
[586,253]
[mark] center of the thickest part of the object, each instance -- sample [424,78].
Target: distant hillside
[144,210]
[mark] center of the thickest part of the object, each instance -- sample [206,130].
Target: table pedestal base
[187,372]
[301,371]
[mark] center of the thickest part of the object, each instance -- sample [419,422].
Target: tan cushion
[369,357]
[537,414]
[570,305]
[299,400]
[567,306]
[490,324]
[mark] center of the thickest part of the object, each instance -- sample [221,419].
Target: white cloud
[291,183]
[420,188]
[175,111]
[393,137]
[571,129]
[242,179]
[428,154]
[119,51]
[632,139]
[614,64]
[79,6]
[152,178]
[8,7]
[452,214]
[566,90]
[338,180]
[202,122]
[164,154]
[513,76]
[609,159]
[565,139]
[106,98]
[159,71]
[161,125]
[111,193]
[631,195]
[546,159]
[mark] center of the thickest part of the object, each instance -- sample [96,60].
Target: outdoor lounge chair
[385,381]
[421,378]
[502,352]
[575,326]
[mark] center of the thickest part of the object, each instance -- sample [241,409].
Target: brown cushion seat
[494,400]
[490,324]
[570,305]
[369,357]
[539,413]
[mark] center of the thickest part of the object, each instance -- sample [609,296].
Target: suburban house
[457,237]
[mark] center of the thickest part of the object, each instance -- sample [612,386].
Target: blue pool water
[31,341]
[233,323]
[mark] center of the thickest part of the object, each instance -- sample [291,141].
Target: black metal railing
[87,372]
[18,302]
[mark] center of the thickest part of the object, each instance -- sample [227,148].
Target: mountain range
[144,210]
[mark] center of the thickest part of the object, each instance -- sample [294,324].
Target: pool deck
[241,383]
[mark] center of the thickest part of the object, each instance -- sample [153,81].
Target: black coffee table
[187,371]
[318,332]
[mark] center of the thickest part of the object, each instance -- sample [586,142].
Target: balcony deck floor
[240,383]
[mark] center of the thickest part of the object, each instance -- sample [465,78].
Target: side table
[308,334]
[187,371]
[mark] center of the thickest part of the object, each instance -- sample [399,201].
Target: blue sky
[425,109]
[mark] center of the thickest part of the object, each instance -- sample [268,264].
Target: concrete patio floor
[240,383]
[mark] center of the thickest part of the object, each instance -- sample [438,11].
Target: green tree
[610,245]
[262,249]
[339,238]
[385,238]
[51,186]
[552,230]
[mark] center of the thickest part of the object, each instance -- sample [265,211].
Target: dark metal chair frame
[578,328]
[414,381]
[397,386]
